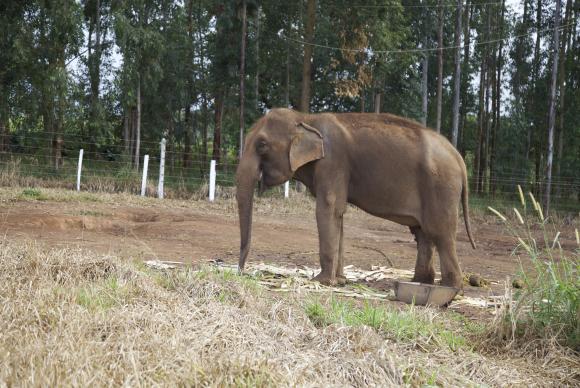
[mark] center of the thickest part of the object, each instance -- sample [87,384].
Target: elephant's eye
[262,147]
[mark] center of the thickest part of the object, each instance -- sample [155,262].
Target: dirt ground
[195,232]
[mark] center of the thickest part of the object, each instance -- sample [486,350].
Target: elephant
[386,165]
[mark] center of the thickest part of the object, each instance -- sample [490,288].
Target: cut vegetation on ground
[77,318]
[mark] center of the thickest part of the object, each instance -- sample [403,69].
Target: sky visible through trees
[116,76]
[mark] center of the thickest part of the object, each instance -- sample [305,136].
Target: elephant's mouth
[261,184]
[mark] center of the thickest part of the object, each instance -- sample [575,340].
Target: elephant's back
[381,124]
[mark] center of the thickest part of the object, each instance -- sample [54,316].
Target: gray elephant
[386,165]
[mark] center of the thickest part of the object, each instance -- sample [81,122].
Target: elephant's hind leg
[424,268]
[451,274]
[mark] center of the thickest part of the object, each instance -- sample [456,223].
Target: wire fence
[30,163]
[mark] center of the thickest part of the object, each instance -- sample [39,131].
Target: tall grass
[547,306]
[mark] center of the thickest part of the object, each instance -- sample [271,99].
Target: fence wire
[32,164]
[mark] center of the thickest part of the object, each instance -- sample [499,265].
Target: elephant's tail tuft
[465,204]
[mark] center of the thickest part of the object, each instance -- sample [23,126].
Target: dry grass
[70,317]
[297,204]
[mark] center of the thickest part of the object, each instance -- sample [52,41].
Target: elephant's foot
[425,278]
[452,281]
[325,279]
[341,280]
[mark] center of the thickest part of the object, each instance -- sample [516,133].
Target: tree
[439,64]
[552,109]
[457,75]
[564,52]
[465,75]
[242,74]
[496,104]
[534,138]
[308,48]
[11,24]
[55,32]
[184,70]
[139,26]
[97,18]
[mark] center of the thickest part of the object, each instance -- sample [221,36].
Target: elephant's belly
[401,216]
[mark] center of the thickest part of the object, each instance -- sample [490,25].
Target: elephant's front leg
[340,278]
[329,222]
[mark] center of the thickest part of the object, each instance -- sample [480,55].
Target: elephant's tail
[465,204]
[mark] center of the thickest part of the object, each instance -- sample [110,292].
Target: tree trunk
[126,138]
[497,104]
[480,124]
[205,110]
[488,83]
[48,118]
[94,68]
[3,119]
[439,65]
[536,136]
[377,102]
[187,136]
[287,90]
[457,76]
[60,95]
[170,145]
[204,133]
[465,78]
[242,77]
[133,129]
[217,132]
[534,86]
[564,48]
[3,136]
[552,111]
[138,124]
[425,89]
[485,143]
[257,85]
[307,62]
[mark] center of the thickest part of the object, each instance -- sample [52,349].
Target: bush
[547,304]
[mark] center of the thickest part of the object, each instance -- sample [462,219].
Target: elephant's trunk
[246,177]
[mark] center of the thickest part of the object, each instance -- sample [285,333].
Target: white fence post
[144,180]
[80,169]
[287,189]
[161,170]
[212,181]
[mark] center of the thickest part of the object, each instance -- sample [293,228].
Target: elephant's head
[278,145]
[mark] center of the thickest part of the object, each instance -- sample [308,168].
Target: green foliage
[407,324]
[553,297]
[32,193]
[55,81]
[104,295]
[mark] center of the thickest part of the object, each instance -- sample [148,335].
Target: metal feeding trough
[424,294]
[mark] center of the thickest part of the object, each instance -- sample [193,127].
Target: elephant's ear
[306,146]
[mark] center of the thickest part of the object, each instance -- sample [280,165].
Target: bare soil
[191,232]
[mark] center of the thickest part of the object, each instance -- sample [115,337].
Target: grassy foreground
[71,317]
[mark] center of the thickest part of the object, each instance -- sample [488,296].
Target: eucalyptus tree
[52,37]
[12,22]
[139,26]
[98,26]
